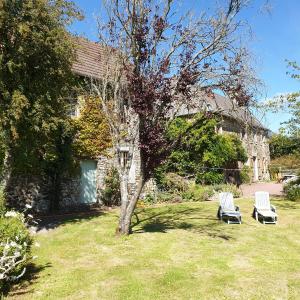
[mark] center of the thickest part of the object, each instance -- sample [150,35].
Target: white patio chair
[228,210]
[263,208]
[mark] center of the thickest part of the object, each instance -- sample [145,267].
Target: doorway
[255,168]
[88,186]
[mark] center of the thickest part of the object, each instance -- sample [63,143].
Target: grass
[178,251]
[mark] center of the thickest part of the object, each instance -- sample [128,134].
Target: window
[208,107]
[244,135]
[124,159]
[124,156]
[255,137]
[73,108]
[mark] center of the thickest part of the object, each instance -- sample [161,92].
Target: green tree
[36,56]
[282,144]
[290,103]
[201,151]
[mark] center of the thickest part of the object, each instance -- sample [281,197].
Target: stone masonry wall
[33,191]
[103,165]
[70,194]
[255,142]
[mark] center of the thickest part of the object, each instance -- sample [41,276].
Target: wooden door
[88,188]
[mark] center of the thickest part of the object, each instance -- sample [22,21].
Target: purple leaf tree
[155,60]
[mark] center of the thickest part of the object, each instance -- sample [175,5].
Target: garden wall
[35,191]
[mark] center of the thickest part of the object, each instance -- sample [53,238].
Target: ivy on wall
[85,137]
[202,152]
[93,136]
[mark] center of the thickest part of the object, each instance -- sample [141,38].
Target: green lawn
[178,251]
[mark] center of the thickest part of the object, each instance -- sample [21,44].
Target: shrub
[210,177]
[149,199]
[174,183]
[194,192]
[231,188]
[292,191]
[274,172]
[15,245]
[111,194]
[197,193]
[164,197]
[245,174]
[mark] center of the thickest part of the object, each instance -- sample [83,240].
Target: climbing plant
[36,57]
[201,152]
[93,136]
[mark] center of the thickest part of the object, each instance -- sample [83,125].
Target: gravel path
[275,189]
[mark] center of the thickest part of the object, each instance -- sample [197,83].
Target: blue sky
[276,37]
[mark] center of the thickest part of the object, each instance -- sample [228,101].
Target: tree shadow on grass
[190,219]
[46,223]
[24,285]
[276,197]
[286,204]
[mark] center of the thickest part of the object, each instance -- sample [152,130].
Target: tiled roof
[222,105]
[89,56]
[88,64]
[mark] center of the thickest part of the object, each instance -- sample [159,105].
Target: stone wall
[70,194]
[255,142]
[35,191]
[103,165]
[150,188]
[28,190]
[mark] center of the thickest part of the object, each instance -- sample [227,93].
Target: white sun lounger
[228,210]
[263,208]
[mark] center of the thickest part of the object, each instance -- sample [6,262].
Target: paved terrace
[275,189]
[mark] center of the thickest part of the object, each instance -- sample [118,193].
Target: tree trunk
[132,205]
[124,202]
[128,204]
[7,169]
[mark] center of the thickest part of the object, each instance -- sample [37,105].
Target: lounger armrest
[237,208]
[273,208]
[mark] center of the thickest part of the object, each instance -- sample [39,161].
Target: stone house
[239,121]
[235,120]
[86,189]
